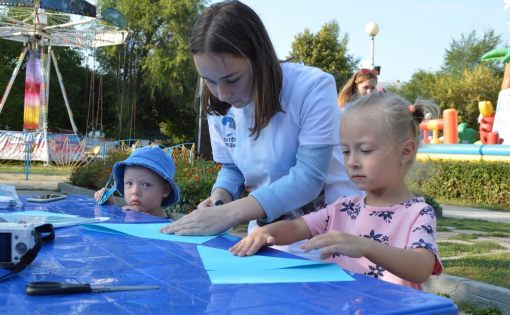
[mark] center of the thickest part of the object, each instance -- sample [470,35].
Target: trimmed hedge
[482,183]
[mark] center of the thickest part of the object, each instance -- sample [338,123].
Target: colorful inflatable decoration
[466,135]
[503,55]
[486,120]
[448,124]
[464,152]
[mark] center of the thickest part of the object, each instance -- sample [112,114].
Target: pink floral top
[409,225]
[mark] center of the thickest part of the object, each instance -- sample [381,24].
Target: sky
[413,35]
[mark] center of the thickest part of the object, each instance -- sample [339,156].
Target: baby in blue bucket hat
[145,179]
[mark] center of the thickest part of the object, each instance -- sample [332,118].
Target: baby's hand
[99,194]
[251,244]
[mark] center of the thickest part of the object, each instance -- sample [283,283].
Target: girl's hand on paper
[252,243]
[338,243]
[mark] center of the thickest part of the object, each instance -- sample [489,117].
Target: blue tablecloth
[84,256]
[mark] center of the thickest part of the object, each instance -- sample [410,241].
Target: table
[81,255]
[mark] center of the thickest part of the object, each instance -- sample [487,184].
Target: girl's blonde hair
[399,117]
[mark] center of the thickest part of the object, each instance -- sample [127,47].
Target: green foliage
[465,53]
[95,175]
[195,182]
[477,183]
[73,74]
[450,91]
[156,82]
[469,308]
[324,50]
[172,131]
[463,81]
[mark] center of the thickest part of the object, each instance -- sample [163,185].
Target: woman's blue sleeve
[301,185]
[231,179]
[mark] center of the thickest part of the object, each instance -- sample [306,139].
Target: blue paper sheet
[218,259]
[146,230]
[225,268]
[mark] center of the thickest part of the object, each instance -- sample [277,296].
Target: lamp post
[372,29]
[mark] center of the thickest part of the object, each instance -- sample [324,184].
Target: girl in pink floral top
[388,234]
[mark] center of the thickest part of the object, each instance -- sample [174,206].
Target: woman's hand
[218,197]
[202,221]
[338,243]
[215,220]
[252,243]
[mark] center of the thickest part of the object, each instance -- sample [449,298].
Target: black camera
[16,239]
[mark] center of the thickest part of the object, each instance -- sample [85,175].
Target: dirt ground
[34,181]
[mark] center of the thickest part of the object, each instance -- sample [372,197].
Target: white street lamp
[372,29]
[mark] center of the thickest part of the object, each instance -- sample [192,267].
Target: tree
[421,85]
[449,91]
[155,68]
[466,52]
[73,74]
[11,116]
[463,80]
[464,93]
[325,50]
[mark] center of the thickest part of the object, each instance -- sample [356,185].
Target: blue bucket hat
[155,159]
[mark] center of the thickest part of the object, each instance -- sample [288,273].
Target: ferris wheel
[43,24]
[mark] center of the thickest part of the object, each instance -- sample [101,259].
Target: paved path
[34,181]
[474,213]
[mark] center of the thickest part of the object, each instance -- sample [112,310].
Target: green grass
[443,229]
[492,269]
[34,169]
[450,249]
[473,224]
[474,310]
[497,234]
[465,237]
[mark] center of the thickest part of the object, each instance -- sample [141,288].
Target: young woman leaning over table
[274,127]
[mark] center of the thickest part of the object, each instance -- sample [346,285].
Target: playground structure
[451,146]
[448,124]
[41,25]
[494,143]
[486,120]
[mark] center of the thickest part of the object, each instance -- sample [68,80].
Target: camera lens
[21,248]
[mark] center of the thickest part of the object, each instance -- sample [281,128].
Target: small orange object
[493,138]
[450,134]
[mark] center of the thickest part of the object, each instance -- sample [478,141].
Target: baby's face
[144,190]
